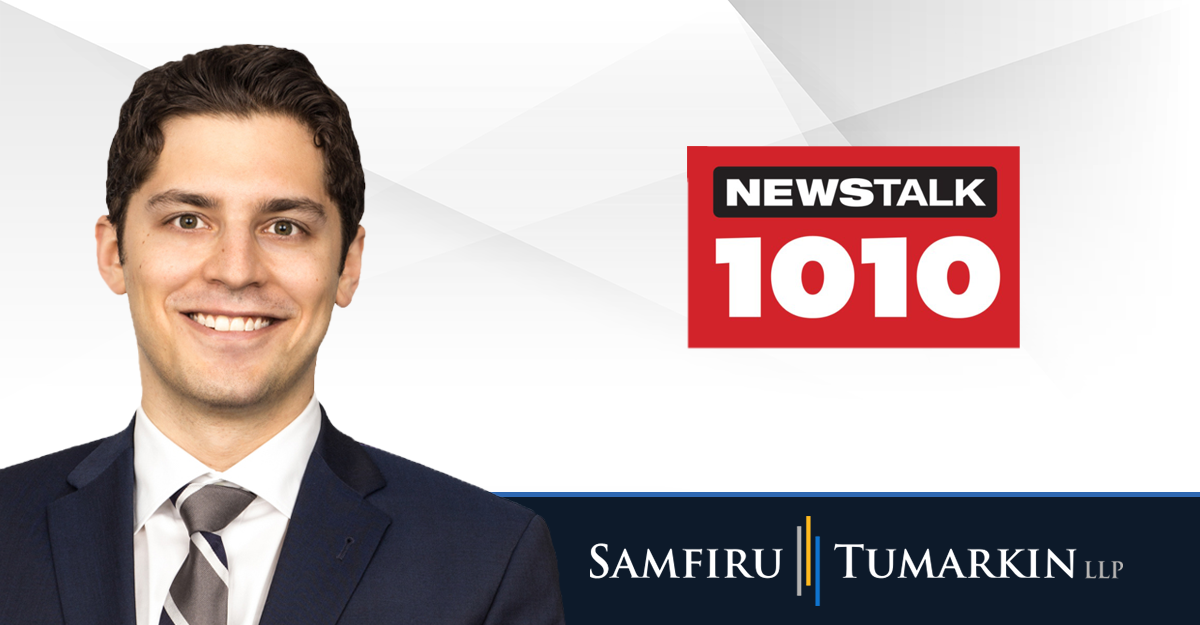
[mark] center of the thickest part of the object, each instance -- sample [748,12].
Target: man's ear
[348,281]
[108,257]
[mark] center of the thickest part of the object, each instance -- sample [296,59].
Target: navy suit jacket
[373,538]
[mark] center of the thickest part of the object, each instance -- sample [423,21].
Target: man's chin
[225,384]
[226,393]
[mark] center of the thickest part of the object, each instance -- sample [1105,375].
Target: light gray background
[522,319]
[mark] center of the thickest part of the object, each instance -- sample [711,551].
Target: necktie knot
[211,507]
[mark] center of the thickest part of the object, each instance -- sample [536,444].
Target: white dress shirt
[252,540]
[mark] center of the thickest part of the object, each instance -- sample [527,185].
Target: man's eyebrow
[314,209]
[175,196]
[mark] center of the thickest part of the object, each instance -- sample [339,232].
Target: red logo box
[853,247]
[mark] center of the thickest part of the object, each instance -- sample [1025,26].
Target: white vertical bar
[799,560]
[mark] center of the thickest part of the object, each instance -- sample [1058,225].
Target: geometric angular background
[521,322]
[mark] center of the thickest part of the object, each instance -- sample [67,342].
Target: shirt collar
[273,471]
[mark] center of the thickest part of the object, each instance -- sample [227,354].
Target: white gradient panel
[521,322]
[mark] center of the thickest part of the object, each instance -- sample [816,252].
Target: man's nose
[236,260]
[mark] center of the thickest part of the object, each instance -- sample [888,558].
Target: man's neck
[220,437]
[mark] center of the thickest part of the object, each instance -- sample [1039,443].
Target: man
[234,195]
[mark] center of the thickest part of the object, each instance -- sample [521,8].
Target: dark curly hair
[240,80]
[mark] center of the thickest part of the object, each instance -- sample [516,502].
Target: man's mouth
[222,323]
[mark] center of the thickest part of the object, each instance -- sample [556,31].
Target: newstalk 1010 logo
[853,247]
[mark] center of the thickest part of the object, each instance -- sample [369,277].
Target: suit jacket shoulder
[376,538]
[26,488]
[454,553]
[28,587]
[419,492]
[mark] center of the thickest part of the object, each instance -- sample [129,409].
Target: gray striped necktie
[199,594]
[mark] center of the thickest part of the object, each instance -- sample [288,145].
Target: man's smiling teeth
[221,323]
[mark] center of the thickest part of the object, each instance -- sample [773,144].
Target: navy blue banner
[788,559]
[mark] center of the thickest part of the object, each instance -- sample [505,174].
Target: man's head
[236,81]
[234,193]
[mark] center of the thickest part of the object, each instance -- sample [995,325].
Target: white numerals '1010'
[890,257]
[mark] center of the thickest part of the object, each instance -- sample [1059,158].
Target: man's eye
[283,228]
[188,222]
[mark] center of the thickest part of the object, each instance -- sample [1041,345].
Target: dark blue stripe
[173,499]
[164,619]
[217,546]
[864,494]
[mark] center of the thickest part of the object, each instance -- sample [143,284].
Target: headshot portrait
[234,196]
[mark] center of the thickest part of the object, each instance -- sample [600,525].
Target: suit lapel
[332,534]
[91,536]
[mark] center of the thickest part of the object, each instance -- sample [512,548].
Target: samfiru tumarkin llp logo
[855,559]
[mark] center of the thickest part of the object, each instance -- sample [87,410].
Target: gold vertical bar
[808,551]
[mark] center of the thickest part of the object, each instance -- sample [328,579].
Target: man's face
[232,250]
